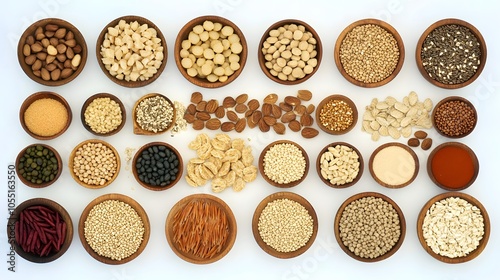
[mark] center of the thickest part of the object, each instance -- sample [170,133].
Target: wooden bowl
[290,184]
[41,95]
[390,30]
[103,95]
[402,224]
[403,166]
[453,164]
[16,216]
[448,99]
[189,257]
[450,21]
[149,186]
[346,185]
[482,242]
[30,31]
[141,21]
[137,128]
[338,97]
[255,221]
[72,157]
[262,60]
[45,184]
[183,35]
[123,198]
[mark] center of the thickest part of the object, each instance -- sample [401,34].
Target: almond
[51,27]
[240,108]
[304,94]
[227,126]
[204,116]
[201,106]
[288,117]
[212,106]
[292,100]
[285,107]
[420,134]
[253,104]
[276,111]
[66,72]
[294,125]
[242,98]
[228,102]
[248,113]
[256,116]
[310,108]
[271,98]
[413,142]
[251,123]
[263,126]
[213,124]
[299,110]
[426,144]
[269,120]
[267,109]
[220,112]
[240,125]
[309,132]
[60,33]
[279,128]
[232,116]
[306,120]
[198,124]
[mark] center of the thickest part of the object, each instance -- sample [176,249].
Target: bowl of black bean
[157,166]
[38,165]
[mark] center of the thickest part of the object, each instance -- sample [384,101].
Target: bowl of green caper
[38,165]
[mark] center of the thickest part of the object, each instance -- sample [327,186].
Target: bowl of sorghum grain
[454,117]
[369,53]
[114,229]
[453,227]
[52,52]
[45,115]
[94,163]
[369,227]
[153,114]
[131,51]
[38,165]
[40,230]
[290,52]
[284,225]
[336,114]
[339,165]
[201,228]
[103,114]
[210,51]
[451,53]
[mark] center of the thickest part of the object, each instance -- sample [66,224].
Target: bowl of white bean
[339,165]
[103,114]
[210,51]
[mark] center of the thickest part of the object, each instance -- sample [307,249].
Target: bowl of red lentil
[153,114]
[336,114]
[451,53]
[103,114]
[45,115]
[369,53]
[339,165]
[454,117]
[38,165]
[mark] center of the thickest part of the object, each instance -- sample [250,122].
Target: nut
[292,100]
[279,128]
[240,125]
[413,142]
[227,126]
[294,125]
[212,106]
[271,98]
[309,132]
[288,117]
[426,144]
[420,134]
[304,94]
[229,102]
[232,116]
[213,124]
[242,98]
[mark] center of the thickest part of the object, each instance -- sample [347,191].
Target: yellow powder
[46,117]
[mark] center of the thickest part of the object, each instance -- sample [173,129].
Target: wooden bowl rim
[387,27]
[223,206]
[40,95]
[341,98]
[346,185]
[140,20]
[450,21]
[402,223]
[137,128]
[59,166]
[261,164]
[454,98]
[183,33]
[258,211]
[482,243]
[319,50]
[123,198]
[103,95]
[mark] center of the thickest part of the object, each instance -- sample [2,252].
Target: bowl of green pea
[38,165]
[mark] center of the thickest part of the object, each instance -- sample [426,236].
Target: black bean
[159,166]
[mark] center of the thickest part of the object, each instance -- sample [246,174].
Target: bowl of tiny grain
[290,52]
[451,53]
[453,227]
[383,217]
[201,228]
[83,168]
[114,229]
[45,115]
[284,225]
[454,117]
[52,52]
[394,165]
[339,165]
[336,114]
[369,53]
[210,51]
[283,164]
[38,165]
[103,114]
[131,51]
[153,114]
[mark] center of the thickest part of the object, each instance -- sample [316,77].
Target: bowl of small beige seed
[153,114]
[103,114]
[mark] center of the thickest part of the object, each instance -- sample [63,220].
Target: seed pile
[284,163]
[38,165]
[46,117]
[155,114]
[455,118]
[336,115]
[157,166]
[339,165]
[94,164]
[103,115]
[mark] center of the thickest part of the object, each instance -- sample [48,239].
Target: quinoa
[46,117]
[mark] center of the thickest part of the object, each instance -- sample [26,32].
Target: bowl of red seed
[454,117]
[336,114]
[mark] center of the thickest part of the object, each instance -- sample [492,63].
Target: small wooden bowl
[401,167]
[188,256]
[148,186]
[262,60]
[30,31]
[46,184]
[402,223]
[346,185]
[137,128]
[183,35]
[340,98]
[482,242]
[103,95]
[255,222]
[261,164]
[450,161]
[41,95]
[450,21]
[72,157]
[448,99]
[123,198]
[389,29]
[15,216]
[141,21]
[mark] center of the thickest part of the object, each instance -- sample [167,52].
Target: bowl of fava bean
[336,114]
[103,114]
[153,114]
[454,117]
[38,165]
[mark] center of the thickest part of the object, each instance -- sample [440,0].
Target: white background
[325,259]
